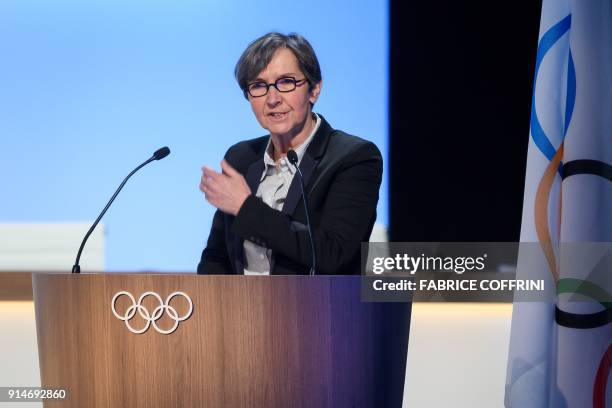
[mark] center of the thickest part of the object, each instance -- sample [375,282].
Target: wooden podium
[270,341]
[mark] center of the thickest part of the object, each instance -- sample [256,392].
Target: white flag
[561,351]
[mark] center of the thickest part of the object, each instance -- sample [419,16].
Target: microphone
[293,159]
[158,155]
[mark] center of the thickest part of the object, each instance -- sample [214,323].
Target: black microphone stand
[293,159]
[158,155]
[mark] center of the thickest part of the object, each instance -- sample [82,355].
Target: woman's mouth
[277,116]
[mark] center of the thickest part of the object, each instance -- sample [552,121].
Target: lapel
[294,195]
[253,175]
[308,163]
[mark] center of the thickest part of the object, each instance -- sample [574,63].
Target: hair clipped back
[259,53]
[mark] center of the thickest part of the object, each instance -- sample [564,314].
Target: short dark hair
[259,53]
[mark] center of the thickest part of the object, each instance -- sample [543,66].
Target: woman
[260,223]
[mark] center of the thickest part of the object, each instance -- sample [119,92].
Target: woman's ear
[315,90]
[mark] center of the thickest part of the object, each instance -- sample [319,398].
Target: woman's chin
[278,128]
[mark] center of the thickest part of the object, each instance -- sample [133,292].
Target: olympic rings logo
[151,318]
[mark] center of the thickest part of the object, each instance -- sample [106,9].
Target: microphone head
[161,153]
[292,156]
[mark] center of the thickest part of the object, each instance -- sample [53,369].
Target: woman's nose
[273,97]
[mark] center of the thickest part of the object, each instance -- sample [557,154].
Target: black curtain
[461,76]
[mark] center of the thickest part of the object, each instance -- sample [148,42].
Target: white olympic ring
[157,312]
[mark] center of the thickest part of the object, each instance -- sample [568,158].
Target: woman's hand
[226,190]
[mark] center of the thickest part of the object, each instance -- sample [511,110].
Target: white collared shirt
[273,188]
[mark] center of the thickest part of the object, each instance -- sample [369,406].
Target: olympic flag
[561,352]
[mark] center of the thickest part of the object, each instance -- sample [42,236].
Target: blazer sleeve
[345,218]
[215,259]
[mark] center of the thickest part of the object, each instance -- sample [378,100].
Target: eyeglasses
[285,84]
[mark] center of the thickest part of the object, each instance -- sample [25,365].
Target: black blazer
[342,175]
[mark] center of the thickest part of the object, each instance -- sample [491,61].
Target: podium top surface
[17,285]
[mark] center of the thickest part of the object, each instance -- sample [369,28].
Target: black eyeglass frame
[296,82]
